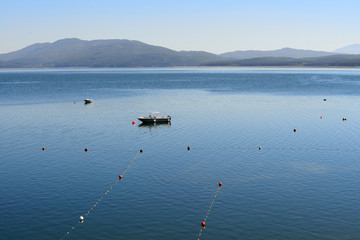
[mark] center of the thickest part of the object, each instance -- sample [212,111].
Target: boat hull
[150,125]
[155,119]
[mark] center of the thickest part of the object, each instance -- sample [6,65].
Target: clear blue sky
[215,26]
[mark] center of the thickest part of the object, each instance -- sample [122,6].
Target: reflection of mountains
[151,125]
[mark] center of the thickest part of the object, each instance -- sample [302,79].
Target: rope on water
[199,148]
[209,210]
[100,199]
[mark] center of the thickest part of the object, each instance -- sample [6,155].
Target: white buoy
[81,218]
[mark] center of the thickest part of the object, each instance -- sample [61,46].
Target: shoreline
[183,67]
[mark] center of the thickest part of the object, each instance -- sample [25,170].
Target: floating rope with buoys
[276,148]
[196,148]
[199,148]
[67,149]
[203,223]
[82,218]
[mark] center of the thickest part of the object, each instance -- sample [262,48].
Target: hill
[284,52]
[74,52]
[351,49]
[327,61]
[102,53]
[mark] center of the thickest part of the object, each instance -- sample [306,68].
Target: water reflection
[151,125]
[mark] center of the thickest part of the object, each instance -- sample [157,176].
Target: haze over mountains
[351,49]
[284,52]
[125,53]
[102,53]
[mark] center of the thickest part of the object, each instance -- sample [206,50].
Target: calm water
[302,185]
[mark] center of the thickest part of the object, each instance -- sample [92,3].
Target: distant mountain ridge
[327,61]
[284,52]
[30,50]
[351,49]
[73,52]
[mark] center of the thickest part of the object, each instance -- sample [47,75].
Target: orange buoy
[133,122]
[188,148]
[86,149]
[43,148]
[120,177]
[141,150]
[220,184]
[203,224]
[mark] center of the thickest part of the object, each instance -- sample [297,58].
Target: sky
[215,26]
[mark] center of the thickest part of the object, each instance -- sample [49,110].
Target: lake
[301,184]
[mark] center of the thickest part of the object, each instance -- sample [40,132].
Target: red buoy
[85,149]
[220,184]
[120,177]
[43,148]
[320,117]
[203,224]
[133,122]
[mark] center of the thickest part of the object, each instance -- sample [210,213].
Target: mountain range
[351,49]
[74,52]
[102,53]
[284,52]
[343,60]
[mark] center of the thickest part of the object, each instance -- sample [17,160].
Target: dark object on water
[294,129]
[154,124]
[152,118]
[344,119]
[87,101]
[324,99]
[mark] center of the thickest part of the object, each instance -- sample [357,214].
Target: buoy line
[258,147]
[82,218]
[203,223]
[276,148]
[75,149]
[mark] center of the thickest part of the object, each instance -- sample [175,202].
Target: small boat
[87,101]
[152,118]
[157,124]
